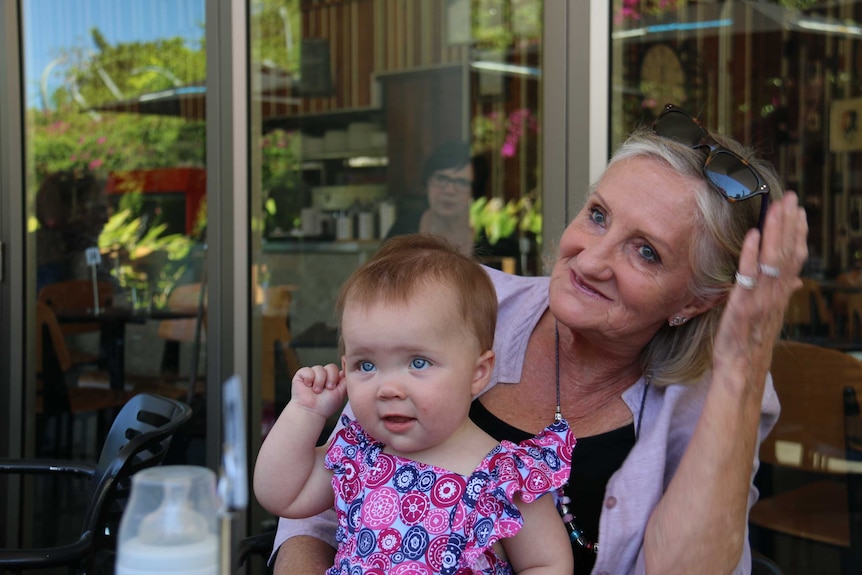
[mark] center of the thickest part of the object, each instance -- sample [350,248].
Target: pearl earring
[677,321]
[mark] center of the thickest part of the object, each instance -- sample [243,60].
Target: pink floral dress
[400,517]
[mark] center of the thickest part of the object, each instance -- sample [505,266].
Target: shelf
[319,122]
[296,245]
[376,154]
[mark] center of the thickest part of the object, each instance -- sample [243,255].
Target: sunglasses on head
[734,177]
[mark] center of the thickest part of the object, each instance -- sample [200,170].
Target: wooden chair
[810,437]
[277,355]
[807,313]
[853,305]
[74,295]
[59,400]
[838,300]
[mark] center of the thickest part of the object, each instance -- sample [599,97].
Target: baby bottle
[170,526]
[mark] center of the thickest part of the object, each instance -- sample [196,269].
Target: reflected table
[112,342]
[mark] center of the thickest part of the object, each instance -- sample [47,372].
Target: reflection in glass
[782,77]
[349,101]
[115,181]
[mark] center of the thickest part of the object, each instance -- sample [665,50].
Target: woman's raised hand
[768,273]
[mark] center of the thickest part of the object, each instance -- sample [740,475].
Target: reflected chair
[277,355]
[175,332]
[807,314]
[63,393]
[810,442]
[169,382]
[77,295]
[138,439]
[184,298]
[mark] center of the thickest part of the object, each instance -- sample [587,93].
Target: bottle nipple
[174,522]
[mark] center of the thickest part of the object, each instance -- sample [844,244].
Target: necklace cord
[559,413]
[576,534]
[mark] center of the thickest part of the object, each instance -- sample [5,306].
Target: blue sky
[51,26]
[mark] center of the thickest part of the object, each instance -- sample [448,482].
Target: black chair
[138,439]
[853,447]
[256,546]
[763,565]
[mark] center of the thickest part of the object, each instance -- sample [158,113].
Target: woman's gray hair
[684,354]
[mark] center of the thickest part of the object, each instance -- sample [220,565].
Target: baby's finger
[333,375]
[320,378]
[305,376]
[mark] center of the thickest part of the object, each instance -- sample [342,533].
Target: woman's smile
[585,287]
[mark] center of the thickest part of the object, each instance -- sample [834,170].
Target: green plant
[497,219]
[145,259]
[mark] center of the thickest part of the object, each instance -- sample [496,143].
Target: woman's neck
[592,376]
[456,229]
[440,224]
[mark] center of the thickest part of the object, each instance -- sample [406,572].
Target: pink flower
[508,149]
[96,164]
[102,140]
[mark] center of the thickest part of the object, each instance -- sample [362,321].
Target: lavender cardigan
[668,422]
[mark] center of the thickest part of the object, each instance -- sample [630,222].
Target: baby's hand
[319,388]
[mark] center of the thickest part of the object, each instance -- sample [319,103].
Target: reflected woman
[448,179]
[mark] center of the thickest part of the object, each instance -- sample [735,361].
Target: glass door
[115,207]
[364,114]
[784,78]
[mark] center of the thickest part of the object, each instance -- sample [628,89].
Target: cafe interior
[185,185]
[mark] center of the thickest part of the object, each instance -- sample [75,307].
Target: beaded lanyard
[576,534]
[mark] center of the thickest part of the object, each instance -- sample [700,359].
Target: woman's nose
[596,259]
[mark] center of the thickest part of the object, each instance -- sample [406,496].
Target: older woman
[655,334]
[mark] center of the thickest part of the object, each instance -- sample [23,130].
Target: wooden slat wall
[374,36]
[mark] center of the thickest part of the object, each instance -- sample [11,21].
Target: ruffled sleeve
[530,469]
[536,466]
[343,449]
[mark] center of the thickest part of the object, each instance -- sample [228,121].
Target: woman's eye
[597,216]
[648,253]
[419,363]
[366,366]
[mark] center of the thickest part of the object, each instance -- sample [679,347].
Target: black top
[594,460]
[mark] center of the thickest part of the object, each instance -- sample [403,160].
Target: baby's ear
[482,372]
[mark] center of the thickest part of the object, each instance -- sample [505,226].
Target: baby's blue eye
[366,366]
[419,363]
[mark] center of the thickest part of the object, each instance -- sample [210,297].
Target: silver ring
[746,282]
[770,271]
